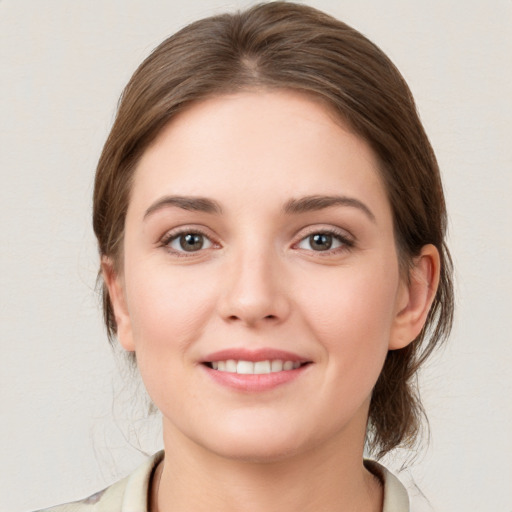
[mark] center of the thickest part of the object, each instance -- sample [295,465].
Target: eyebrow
[190,203]
[293,206]
[317,202]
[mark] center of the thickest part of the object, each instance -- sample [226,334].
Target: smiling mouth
[254,367]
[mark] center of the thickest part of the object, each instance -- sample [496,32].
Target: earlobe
[115,286]
[416,297]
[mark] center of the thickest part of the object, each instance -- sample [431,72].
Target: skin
[258,282]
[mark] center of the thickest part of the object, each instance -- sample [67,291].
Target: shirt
[131,493]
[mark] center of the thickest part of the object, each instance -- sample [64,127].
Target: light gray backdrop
[63,64]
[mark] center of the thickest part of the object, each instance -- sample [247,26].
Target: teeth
[254,368]
[276,366]
[231,366]
[262,367]
[244,367]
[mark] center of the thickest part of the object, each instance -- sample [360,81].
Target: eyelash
[346,242]
[175,234]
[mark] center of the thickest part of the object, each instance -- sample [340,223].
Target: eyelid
[348,241]
[174,233]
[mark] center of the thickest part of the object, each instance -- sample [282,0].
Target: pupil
[191,242]
[321,241]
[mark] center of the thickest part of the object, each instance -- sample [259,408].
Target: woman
[271,225]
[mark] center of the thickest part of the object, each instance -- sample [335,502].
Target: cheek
[168,307]
[351,313]
[169,311]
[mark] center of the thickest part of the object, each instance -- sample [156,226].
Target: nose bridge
[254,289]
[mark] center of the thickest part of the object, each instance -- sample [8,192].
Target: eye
[324,241]
[188,242]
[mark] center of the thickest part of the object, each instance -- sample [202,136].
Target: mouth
[244,367]
[254,370]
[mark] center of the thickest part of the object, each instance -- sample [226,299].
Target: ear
[415,298]
[116,291]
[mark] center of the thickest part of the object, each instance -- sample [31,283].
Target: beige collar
[136,492]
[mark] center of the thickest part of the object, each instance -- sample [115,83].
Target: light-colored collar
[136,492]
[395,494]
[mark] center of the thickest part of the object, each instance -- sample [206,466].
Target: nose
[254,290]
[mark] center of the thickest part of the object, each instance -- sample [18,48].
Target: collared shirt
[131,493]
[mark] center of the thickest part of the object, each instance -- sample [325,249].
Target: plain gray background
[63,64]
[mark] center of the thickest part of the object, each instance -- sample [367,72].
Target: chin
[256,443]
[257,451]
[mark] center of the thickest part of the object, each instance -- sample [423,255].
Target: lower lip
[255,383]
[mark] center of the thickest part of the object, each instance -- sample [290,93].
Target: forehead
[258,144]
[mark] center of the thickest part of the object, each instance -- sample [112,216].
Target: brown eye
[324,241]
[189,242]
[320,241]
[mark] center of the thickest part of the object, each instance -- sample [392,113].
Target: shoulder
[396,498]
[110,499]
[127,495]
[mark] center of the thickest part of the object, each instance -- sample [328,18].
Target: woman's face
[259,238]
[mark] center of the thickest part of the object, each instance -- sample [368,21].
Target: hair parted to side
[284,45]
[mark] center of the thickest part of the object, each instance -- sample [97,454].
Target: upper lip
[261,354]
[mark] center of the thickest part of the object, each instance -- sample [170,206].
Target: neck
[324,478]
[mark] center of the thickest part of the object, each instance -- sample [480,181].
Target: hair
[286,46]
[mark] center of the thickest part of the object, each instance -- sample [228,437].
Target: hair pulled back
[284,45]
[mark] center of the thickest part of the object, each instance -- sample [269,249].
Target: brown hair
[288,46]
